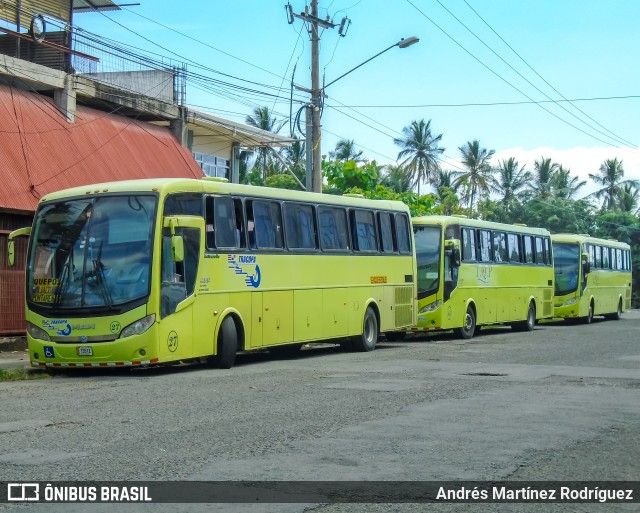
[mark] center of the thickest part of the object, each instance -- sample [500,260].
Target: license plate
[84,351]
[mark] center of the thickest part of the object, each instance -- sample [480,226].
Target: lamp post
[316,93]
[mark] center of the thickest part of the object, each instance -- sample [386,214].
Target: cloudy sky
[498,71]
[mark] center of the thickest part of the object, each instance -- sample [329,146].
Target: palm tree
[346,150]
[420,151]
[610,177]
[263,120]
[511,179]
[478,178]
[543,172]
[565,186]
[397,178]
[442,179]
[295,157]
[630,198]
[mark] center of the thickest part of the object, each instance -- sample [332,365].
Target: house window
[212,165]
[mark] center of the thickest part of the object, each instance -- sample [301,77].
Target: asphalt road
[560,403]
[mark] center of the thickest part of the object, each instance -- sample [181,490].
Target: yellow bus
[473,273]
[592,277]
[146,272]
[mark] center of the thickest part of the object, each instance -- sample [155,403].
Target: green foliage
[418,205]
[447,203]
[343,175]
[282,181]
[253,177]
[21,374]
[624,227]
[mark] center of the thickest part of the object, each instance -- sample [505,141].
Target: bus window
[386,232]
[189,204]
[267,224]
[598,250]
[528,249]
[428,253]
[485,246]
[402,233]
[364,230]
[514,247]
[333,228]
[547,251]
[539,251]
[619,264]
[500,253]
[468,244]
[299,226]
[226,232]
[178,278]
[605,258]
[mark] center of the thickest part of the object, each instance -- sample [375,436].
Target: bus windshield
[428,249]
[566,262]
[91,253]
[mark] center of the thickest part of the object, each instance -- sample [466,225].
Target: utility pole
[312,112]
[315,97]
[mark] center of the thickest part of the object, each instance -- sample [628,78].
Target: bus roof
[477,223]
[165,186]
[586,239]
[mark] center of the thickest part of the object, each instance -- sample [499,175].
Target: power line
[504,79]
[540,76]
[615,137]
[489,104]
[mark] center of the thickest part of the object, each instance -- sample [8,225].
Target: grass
[21,374]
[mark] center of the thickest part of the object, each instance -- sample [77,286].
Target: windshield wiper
[98,271]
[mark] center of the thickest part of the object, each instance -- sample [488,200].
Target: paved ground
[558,403]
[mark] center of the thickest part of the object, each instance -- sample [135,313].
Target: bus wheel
[227,345]
[589,318]
[367,341]
[530,323]
[395,336]
[469,328]
[618,314]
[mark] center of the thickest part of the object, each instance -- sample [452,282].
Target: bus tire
[468,329]
[227,345]
[530,323]
[369,337]
[618,313]
[589,318]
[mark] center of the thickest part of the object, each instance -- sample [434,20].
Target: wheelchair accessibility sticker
[247,266]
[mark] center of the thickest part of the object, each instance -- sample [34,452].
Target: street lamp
[316,92]
[403,43]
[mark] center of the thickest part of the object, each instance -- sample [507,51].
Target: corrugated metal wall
[39,54]
[12,320]
[57,8]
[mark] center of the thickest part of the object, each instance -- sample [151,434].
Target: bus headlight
[138,327]
[571,301]
[37,333]
[431,306]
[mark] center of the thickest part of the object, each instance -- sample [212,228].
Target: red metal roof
[40,152]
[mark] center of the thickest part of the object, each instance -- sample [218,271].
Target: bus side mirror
[455,257]
[12,253]
[452,248]
[177,248]
[586,266]
[11,246]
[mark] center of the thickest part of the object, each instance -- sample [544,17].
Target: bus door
[180,257]
[451,266]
